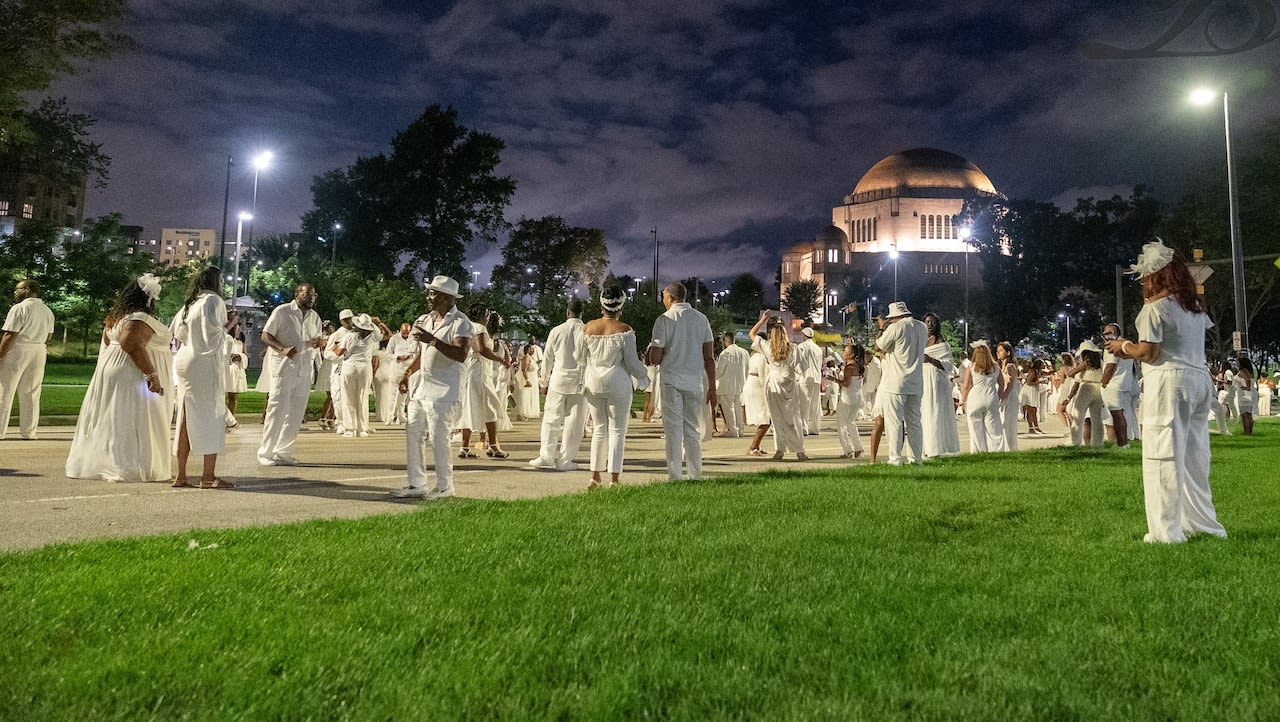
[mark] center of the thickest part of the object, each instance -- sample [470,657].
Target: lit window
[923,231]
[28,211]
[4,208]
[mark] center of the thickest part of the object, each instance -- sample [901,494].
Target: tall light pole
[260,163]
[965,233]
[333,246]
[870,300]
[1068,317]
[1205,96]
[226,201]
[655,260]
[235,281]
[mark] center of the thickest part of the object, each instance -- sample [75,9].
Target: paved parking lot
[338,478]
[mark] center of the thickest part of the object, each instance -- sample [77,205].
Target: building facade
[26,197]
[176,246]
[897,236]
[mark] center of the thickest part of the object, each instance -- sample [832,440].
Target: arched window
[874,235]
[923,221]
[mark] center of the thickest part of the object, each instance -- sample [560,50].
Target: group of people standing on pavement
[447,371]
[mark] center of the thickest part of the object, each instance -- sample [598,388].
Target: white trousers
[286,406]
[564,419]
[356,376]
[1175,455]
[609,419]
[428,424]
[811,405]
[788,421]
[1088,404]
[985,426]
[21,373]
[731,407]
[903,410]
[847,426]
[681,413]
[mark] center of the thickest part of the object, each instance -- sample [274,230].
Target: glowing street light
[1205,96]
[244,216]
[260,163]
[893,254]
[333,247]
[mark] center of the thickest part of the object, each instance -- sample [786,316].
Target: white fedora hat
[1088,345]
[363,322]
[445,285]
[345,313]
[898,309]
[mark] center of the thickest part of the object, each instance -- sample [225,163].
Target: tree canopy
[421,205]
[802,299]
[551,255]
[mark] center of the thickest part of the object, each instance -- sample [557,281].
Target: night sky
[734,126]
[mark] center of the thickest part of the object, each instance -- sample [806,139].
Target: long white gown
[527,389]
[236,381]
[753,391]
[937,409]
[983,410]
[612,368]
[200,365]
[123,430]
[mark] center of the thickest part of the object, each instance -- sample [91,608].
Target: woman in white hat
[357,373]
[1085,400]
[1177,396]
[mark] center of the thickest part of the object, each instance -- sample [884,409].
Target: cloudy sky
[734,126]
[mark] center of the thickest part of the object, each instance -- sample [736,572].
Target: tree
[746,296]
[40,41]
[421,205]
[551,255]
[802,299]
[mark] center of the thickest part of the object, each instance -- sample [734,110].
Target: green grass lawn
[983,587]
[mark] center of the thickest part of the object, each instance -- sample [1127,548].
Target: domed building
[895,235]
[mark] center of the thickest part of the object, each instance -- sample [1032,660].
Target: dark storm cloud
[733,126]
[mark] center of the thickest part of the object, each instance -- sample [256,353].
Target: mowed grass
[982,587]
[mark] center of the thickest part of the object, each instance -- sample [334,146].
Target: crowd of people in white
[449,375]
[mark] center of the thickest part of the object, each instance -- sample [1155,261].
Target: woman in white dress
[937,409]
[200,328]
[980,395]
[754,402]
[1085,398]
[1246,394]
[1029,397]
[527,386]
[1177,396]
[236,380]
[480,401]
[500,373]
[611,369]
[324,381]
[357,348]
[781,386]
[122,433]
[1011,398]
[850,401]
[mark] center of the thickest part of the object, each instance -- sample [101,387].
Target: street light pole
[226,201]
[261,161]
[235,280]
[333,246]
[1204,97]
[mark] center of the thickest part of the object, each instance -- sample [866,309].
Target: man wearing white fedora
[443,334]
[902,339]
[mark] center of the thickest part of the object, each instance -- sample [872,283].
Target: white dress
[527,389]
[937,409]
[753,391]
[611,369]
[123,430]
[1009,414]
[782,394]
[200,364]
[236,382]
[982,409]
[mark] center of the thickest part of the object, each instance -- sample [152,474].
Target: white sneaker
[440,493]
[349,434]
[541,463]
[286,461]
[566,466]
[363,434]
[340,430]
[409,492]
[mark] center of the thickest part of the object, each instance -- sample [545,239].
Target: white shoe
[440,493]
[363,434]
[541,463]
[341,430]
[566,466]
[349,434]
[409,492]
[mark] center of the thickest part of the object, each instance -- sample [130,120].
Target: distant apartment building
[176,246]
[27,197]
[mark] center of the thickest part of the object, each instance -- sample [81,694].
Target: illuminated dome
[922,173]
[831,236]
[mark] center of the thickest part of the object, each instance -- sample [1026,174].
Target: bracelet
[1123,346]
[152,375]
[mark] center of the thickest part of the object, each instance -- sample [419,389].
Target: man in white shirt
[27,328]
[337,341]
[682,347]
[731,378]
[402,348]
[444,335]
[292,330]
[564,419]
[902,339]
[809,368]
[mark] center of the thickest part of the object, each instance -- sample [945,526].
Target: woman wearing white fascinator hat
[1177,397]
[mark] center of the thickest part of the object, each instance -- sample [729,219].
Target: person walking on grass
[682,349]
[564,418]
[292,330]
[1177,396]
[27,328]
[444,335]
[200,328]
[902,339]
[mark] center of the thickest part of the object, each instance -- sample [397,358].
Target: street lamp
[1205,96]
[965,233]
[239,232]
[870,300]
[260,163]
[333,247]
[1068,317]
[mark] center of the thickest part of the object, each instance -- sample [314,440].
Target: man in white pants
[402,348]
[731,378]
[337,341]
[27,328]
[682,347]
[809,368]
[357,372]
[564,419]
[445,337]
[903,339]
[292,330]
